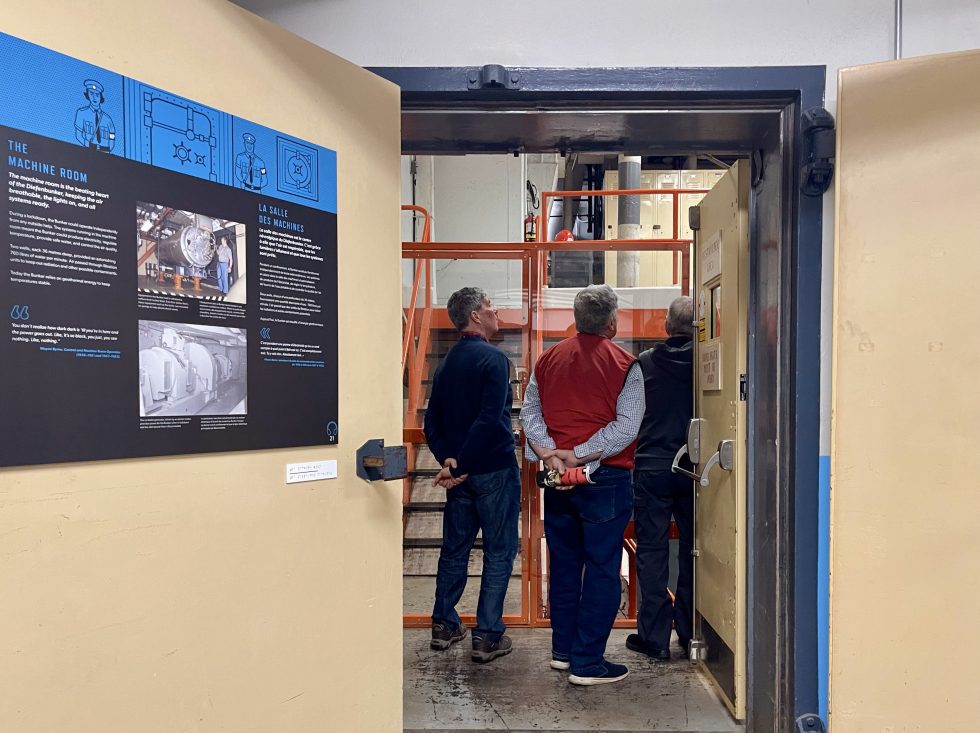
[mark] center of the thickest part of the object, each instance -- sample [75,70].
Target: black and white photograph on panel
[189,254]
[186,369]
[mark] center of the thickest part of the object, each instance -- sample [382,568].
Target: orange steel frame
[535,327]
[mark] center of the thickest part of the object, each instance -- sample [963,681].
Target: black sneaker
[635,644]
[486,651]
[612,672]
[443,637]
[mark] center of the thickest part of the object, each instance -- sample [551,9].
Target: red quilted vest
[579,381]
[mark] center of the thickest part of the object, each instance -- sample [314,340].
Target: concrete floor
[445,691]
[419,592]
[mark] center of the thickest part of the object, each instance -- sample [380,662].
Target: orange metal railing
[536,324]
[415,346]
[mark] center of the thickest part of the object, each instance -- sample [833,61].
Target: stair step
[425,506]
[432,543]
[426,524]
[424,458]
[424,472]
[424,490]
[423,525]
[425,561]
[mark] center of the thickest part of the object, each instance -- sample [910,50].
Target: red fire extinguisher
[530,221]
[530,228]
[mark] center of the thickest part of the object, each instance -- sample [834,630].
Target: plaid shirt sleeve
[532,420]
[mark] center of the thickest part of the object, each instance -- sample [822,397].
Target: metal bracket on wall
[492,76]
[809,723]
[375,462]
[694,218]
[819,151]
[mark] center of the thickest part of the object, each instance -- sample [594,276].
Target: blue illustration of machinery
[181,135]
[297,168]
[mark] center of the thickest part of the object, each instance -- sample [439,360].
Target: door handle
[724,457]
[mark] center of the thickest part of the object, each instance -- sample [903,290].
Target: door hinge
[742,387]
[819,151]
[694,218]
[493,76]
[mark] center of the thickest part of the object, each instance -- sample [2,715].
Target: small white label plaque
[711,366]
[711,258]
[312,471]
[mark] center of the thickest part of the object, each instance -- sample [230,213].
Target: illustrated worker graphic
[93,125]
[249,167]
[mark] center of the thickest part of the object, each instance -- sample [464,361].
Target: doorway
[749,113]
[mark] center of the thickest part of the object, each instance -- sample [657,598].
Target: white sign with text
[711,258]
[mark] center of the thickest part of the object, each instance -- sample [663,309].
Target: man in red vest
[583,407]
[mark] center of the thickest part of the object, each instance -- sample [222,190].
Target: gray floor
[446,691]
[419,591]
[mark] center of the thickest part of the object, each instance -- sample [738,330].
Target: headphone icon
[332,430]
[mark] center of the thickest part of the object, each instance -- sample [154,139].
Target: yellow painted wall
[202,593]
[906,408]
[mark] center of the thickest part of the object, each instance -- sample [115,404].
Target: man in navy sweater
[468,428]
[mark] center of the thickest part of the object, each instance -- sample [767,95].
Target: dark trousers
[491,502]
[660,494]
[584,527]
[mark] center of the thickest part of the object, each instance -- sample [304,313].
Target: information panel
[168,272]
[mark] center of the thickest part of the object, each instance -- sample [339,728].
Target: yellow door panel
[193,593]
[906,408]
[721,289]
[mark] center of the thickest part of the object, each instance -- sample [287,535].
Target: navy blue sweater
[468,417]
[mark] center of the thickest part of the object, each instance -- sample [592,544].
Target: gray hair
[595,307]
[680,317]
[463,302]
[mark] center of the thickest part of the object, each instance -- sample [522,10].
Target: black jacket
[468,417]
[668,379]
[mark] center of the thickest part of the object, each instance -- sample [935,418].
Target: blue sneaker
[612,672]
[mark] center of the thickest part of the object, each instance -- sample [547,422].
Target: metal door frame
[784,314]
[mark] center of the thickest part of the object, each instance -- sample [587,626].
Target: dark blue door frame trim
[789,90]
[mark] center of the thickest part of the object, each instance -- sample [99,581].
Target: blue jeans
[584,527]
[223,277]
[491,502]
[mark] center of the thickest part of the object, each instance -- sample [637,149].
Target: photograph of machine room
[186,369]
[483,199]
[189,254]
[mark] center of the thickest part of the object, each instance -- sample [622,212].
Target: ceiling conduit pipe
[628,263]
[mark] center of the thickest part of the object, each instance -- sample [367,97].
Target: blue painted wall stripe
[823,587]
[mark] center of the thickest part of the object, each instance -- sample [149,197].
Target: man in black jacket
[668,375]
[468,428]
